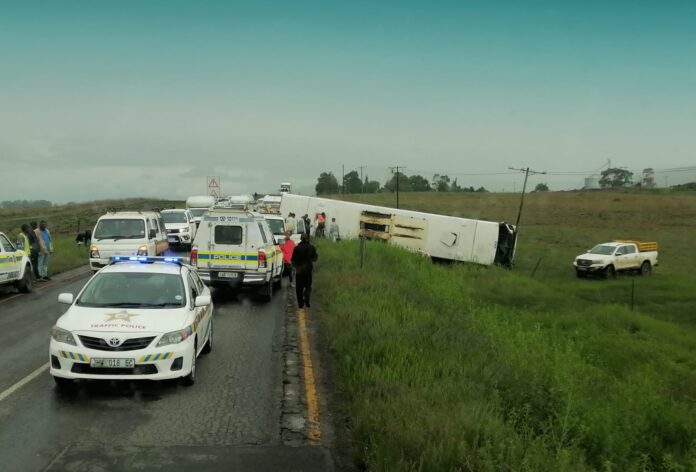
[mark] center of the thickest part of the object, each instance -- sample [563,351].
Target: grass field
[65,221]
[473,368]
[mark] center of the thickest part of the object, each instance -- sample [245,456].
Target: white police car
[138,318]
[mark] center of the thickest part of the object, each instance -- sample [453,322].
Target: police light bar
[147,259]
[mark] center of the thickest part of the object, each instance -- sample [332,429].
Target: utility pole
[396,168]
[526,171]
[343,180]
[362,183]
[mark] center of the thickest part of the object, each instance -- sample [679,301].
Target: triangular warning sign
[213,193]
[213,183]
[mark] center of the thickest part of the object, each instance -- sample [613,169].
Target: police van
[15,266]
[235,247]
[127,233]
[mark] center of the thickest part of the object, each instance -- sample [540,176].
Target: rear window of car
[228,234]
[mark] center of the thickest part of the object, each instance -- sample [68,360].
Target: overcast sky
[102,99]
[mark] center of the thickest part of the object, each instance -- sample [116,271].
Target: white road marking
[23,382]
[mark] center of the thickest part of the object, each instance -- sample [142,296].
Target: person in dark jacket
[33,249]
[303,258]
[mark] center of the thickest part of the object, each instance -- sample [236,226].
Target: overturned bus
[438,236]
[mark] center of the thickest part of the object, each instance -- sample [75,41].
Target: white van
[180,226]
[235,247]
[127,233]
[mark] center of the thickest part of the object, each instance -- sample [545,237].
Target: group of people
[36,240]
[319,226]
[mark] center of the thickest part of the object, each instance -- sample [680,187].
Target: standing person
[291,223]
[321,224]
[334,234]
[33,248]
[46,248]
[303,259]
[307,224]
[288,248]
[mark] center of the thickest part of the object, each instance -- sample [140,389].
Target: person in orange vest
[288,248]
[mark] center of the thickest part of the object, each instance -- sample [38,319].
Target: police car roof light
[146,259]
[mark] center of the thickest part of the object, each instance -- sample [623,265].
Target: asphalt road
[229,420]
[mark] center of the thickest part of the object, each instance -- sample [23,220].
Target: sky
[107,99]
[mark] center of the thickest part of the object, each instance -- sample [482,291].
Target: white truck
[607,259]
[438,236]
[198,205]
[15,266]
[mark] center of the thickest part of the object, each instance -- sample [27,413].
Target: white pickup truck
[607,259]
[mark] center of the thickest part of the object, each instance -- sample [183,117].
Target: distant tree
[440,183]
[470,189]
[327,184]
[648,180]
[351,182]
[419,183]
[455,187]
[541,188]
[26,204]
[615,177]
[481,189]
[404,183]
[371,186]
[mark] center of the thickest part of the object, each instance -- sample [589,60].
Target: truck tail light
[194,256]
[262,259]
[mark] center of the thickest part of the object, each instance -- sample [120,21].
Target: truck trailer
[440,237]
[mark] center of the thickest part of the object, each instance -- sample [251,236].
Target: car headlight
[142,251]
[175,337]
[94,252]
[62,336]
[184,230]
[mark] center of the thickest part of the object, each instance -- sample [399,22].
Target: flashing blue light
[146,259]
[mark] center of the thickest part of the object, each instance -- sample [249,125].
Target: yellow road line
[10,298]
[313,425]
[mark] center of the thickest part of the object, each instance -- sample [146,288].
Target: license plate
[228,275]
[112,363]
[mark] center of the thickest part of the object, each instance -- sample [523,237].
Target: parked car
[607,259]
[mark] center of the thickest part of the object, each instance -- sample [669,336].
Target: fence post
[362,251]
[633,293]
[535,268]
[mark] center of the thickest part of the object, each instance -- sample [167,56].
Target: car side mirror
[66,298]
[202,300]
[153,233]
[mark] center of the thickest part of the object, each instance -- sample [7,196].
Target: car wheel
[266,292]
[610,272]
[25,285]
[209,344]
[645,268]
[190,379]
[64,384]
[579,274]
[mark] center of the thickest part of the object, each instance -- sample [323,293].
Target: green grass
[472,368]
[67,255]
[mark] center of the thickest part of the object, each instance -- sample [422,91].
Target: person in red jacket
[288,248]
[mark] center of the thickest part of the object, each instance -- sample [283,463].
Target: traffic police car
[15,266]
[137,318]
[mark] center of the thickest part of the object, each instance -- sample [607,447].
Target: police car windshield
[277,226]
[120,228]
[174,217]
[134,290]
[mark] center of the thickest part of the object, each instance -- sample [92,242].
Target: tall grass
[471,368]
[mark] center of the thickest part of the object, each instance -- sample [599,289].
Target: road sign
[213,182]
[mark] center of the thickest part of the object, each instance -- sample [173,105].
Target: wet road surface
[229,420]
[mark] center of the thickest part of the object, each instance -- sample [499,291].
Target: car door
[10,260]
[191,224]
[621,259]
[228,244]
[631,257]
[199,325]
